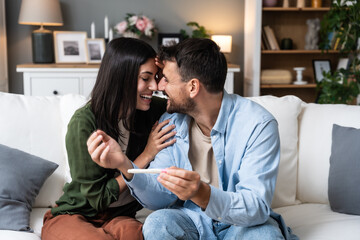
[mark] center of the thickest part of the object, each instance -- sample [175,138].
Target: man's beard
[184,107]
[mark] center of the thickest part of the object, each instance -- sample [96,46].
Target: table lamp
[42,13]
[224,42]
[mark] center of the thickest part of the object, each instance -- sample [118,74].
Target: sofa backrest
[36,125]
[315,138]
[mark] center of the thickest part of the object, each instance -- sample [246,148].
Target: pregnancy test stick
[153,170]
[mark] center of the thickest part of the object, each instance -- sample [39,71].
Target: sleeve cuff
[219,204]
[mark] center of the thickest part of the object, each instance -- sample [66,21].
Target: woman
[96,204]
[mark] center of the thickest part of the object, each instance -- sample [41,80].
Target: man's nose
[161,84]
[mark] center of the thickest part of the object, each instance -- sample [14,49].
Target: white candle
[106,24]
[110,34]
[92,30]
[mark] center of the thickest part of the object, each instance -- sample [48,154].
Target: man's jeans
[175,224]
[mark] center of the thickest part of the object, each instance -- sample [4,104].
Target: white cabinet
[229,82]
[55,79]
[60,79]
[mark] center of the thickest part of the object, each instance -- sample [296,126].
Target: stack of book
[334,41]
[268,39]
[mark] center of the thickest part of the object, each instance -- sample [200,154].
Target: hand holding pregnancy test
[153,171]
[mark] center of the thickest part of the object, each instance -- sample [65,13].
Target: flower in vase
[135,25]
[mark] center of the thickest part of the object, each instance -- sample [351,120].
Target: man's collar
[220,124]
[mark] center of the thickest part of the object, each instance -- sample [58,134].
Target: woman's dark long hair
[115,91]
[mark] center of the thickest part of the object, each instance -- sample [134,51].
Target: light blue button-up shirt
[246,147]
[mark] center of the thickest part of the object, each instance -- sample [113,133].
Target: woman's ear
[194,87]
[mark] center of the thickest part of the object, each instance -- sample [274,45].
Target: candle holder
[299,76]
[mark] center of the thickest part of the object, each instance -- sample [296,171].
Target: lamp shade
[223,41]
[40,12]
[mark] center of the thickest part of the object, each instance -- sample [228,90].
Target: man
[219,177]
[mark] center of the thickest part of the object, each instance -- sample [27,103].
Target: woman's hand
[159,63]
[157,139]
[105,151]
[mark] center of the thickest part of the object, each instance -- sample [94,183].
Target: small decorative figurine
[312,35]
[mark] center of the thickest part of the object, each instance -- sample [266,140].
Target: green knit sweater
[94,188]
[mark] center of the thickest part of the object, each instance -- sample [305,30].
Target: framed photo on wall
[95,49]
[320,66]
[168,39]
[70,46]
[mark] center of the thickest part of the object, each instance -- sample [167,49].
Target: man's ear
[194,87]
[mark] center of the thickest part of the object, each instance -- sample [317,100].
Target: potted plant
[198,31]
[343,20]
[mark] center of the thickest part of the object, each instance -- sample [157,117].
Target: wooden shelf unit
[287,23]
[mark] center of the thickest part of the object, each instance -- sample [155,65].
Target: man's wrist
[203,195]
[124,170]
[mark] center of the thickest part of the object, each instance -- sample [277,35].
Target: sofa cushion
[34,124]
[21,176]
[317,221]
[15,235]
[36,219]
[286,111]
[315,133]
[344,174]
[68,105]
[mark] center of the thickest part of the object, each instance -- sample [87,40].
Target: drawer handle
[55,92]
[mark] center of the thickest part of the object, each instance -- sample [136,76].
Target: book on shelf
[270,35]
[265,41]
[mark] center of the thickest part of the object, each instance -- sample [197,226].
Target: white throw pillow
[286,111]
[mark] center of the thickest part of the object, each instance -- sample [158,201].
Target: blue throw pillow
[21,177]
[344,174]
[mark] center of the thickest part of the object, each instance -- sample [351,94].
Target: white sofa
[37,125]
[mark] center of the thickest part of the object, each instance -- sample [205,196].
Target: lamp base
[42,47]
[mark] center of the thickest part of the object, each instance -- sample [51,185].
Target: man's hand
[186,185]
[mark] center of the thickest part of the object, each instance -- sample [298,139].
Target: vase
[300,3]
[286,4]
[130,35]
[270,3]
[316,3]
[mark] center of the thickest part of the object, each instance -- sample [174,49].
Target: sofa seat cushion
[9,235]
[318,221]
[36,219]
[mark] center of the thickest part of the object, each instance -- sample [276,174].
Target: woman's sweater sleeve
[97,184]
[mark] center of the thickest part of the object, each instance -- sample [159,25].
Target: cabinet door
[88,85]
[43,86]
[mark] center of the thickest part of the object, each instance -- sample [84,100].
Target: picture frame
[70,46]
[319,66]
[343,63]
[167,39]
[95,49]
